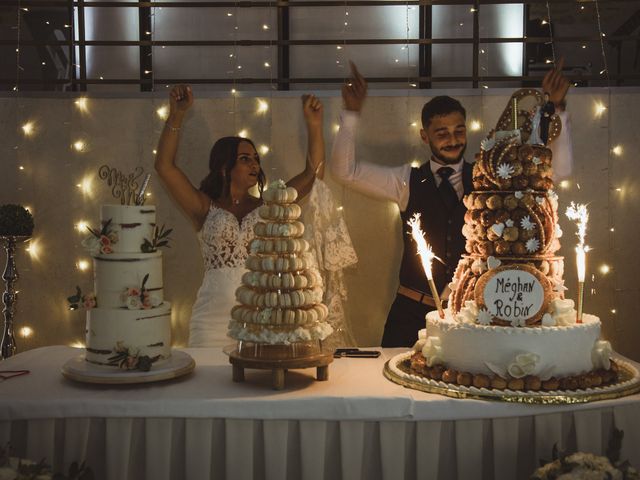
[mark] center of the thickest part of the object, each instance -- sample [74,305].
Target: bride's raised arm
[193,202]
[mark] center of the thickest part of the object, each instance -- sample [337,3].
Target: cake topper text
[124,186]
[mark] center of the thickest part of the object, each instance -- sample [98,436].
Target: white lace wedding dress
[224,243]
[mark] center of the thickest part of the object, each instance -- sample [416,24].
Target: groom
[435,190]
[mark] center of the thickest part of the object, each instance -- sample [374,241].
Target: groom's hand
[354,92]
[556,85]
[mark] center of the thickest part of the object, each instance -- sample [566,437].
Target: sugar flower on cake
[536,160]
[563,311]
[484,317]
[135,298]
[84,300]
[524,364]
[130,359]
[601,355]
[101,241]
[532,245]
[519,195]
[558,231]
[518,322]
[432,351]
[505,171]
[487,144]
[527,224]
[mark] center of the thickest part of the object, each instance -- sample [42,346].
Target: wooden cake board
[278,367]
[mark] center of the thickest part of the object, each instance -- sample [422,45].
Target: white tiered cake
[131,319]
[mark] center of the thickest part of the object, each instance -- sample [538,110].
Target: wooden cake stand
[278,359]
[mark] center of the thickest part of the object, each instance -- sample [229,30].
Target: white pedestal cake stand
[79,370]
[397,369]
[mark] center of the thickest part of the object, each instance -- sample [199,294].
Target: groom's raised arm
[557,85]
[379,181]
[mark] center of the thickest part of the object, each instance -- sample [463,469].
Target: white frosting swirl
[468,313]
[432,351]
[563,311]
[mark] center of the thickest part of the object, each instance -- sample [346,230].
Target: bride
[223,211]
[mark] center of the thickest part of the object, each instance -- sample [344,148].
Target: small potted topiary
[15,221]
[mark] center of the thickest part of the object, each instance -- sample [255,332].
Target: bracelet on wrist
[172,128]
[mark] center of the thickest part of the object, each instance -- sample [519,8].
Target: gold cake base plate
[397,369]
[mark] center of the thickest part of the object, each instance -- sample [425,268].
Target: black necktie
[447,192]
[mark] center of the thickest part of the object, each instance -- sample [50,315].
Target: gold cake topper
[124,186]
[520,112]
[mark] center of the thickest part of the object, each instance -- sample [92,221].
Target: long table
[356,425]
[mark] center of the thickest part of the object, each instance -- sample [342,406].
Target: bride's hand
[181,99]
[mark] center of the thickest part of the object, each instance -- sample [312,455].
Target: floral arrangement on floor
[15,221]
[15,468]
[126,359]
[139,298]
[587,466]
[159,239]
[86,300]
[100,241]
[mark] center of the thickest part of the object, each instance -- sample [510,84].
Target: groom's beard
[444,154]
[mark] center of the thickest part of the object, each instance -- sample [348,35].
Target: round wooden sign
[514,294]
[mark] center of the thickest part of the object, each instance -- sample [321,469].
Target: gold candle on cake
[426,256]
[579,214]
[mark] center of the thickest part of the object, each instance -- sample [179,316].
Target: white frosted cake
[130,320]
[508,325]
[280,299]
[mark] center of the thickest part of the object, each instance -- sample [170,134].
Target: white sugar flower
[601,354]
[518,322]
[518,194]
[540,200]
[133,303]
[552,194]
[533,244]
[527,224]
[484,317]
[505,171]
[509,223]
[536,160]
[523,365]
[487,144]
[558,231]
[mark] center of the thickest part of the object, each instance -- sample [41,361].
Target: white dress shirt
[392,183]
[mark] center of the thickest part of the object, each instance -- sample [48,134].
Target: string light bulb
[82,265]
[28,129]
[564,184]
[415,164]
[475,126]
[243,133]
[599,109]
[604,269]
[163,112]
[263,106]
[79,146]
[264,149]
[77,344]
[617,150]
[82,225]
[34,249]
[82,104]
[26,332]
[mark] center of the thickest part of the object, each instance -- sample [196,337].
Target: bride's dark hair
[222,159]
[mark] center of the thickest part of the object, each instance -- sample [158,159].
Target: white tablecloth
[356,425]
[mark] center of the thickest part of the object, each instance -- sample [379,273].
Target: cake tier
[276,263]
[284,281]
[278,245]
[507,352]
[280,212]
[283,229]
[276,335]
[131,223]
[511,223]
[509,166]
[474,272]
[143,332]
[293,298]
[114,273]
[280,316]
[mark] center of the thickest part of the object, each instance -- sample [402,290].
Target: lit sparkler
[579,214]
